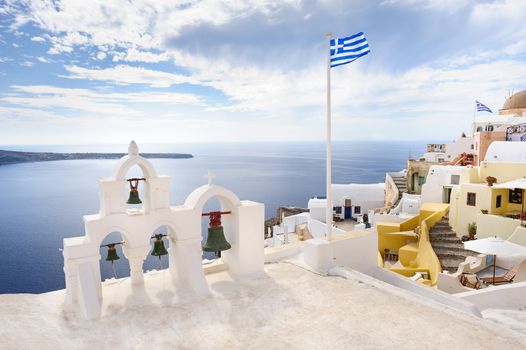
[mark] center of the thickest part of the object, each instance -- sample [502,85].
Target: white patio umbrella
[519,183]
[494,246]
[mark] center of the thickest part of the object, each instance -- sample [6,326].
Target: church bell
[112,253]
[158,246]
[134,192]
[216,241]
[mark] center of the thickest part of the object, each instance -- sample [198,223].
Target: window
[337,210]
[498,201]
[421,180]
[357,210]
[472,199]
[455,179]
[489,128]
[479,128]
[516,196]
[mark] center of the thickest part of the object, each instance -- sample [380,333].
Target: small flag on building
[346,50]
[482,107]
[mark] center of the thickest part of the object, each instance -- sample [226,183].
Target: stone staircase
[401,184]
[448,247]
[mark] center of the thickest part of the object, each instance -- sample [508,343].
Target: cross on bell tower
[210,177]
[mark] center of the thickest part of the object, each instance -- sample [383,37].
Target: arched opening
[113,268]
[133,176]
[160,261]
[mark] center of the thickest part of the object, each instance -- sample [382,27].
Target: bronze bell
[216,241]
[158,246]
[134,192]
[112,253]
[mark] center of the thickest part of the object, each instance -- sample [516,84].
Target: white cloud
[433,95]
[44,60]
[103,103]
[123,74]
[5,59]
[27,64]
[138,28]
[101,55]
[434,5]
[57,49]
[134,55]
[26,114]
[38,39]
[503,12]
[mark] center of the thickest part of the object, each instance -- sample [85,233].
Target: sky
[108,71]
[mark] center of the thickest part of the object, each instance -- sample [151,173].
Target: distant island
[13,157]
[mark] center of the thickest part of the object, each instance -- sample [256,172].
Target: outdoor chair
[470,281]
[507,278]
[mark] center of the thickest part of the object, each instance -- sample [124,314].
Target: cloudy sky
[80,72]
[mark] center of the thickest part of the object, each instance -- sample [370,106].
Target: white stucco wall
[501,297]
[366,196]
[317,228]
[438,177]
[507,152]
[408,206]
[358,251]
[453,149]
[460,145]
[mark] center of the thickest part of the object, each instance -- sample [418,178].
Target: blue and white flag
[346,50]
[482,107]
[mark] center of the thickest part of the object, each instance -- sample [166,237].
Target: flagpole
[328,212]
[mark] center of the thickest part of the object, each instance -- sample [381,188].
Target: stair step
[444,234]
[439,230]
[449,252]
[447,239]
[453,255]
[448,245]
[441,225]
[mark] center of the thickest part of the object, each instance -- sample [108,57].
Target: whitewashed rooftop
[288,308]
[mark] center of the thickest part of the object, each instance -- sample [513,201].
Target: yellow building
[495,211]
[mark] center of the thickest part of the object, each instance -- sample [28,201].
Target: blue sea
[42,203]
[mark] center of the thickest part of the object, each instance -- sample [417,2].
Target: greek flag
[482,107]
[346,50]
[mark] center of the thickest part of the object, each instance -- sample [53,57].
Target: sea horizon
[44,202]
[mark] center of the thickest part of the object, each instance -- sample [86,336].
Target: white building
[438,153]
[440,180]
[349,201]
[506,152]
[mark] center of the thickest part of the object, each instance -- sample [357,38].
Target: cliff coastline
[13,157]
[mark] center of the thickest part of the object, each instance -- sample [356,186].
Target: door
[447,195]
[347,212]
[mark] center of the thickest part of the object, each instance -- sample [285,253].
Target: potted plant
[490,180]
[472,230]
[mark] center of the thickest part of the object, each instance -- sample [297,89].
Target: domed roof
[516,101]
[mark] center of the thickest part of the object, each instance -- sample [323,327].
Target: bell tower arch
[244,229]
